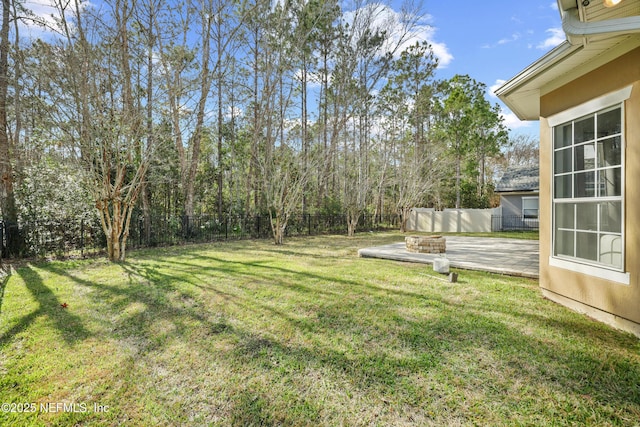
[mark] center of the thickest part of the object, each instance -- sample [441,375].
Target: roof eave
[516,191]
[507,90]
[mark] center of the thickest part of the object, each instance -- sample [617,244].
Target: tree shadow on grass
[490,347]
[417,344]
[69,325]
[162,301]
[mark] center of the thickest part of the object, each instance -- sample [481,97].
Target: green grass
[247,333]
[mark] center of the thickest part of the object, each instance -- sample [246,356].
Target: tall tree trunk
[253,178]
[205,87]
[404,218]
[7,196]
[305,139]
[144,192]
[17,97]
[220,170]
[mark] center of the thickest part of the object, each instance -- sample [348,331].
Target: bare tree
[416,179]
[522,150]
[285,178]
[368,55]
[109,131]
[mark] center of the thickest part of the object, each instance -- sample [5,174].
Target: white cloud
[513,38]
[441,52]
[44,17]
[556,37]
[395,23]
[494,87]
[513,122]
[42,9]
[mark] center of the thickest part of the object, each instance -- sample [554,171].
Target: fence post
[140,230]
[82,238]
[1,240]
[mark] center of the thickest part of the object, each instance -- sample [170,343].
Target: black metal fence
[85,237]
[201,229]
[50,238]
[513,223]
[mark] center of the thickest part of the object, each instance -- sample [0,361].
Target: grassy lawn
[246,333]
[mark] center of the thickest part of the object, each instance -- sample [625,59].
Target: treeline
[183,108]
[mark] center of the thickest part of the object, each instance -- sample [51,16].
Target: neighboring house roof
[595,36]
[519,179]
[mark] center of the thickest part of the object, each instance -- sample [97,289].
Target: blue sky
[493,41]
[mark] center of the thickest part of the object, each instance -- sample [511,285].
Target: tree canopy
[178,109]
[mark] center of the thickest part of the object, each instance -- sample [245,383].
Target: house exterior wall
[511,205]
[609,301]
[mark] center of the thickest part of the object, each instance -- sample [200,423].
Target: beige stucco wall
[614,303]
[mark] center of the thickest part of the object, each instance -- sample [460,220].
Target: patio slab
[512,257]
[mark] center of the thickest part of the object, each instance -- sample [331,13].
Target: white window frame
[537,210]
[594,106]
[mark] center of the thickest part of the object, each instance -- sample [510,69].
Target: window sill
[599,272]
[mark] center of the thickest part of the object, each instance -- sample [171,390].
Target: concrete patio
[513,257]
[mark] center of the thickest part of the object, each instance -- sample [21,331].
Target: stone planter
[426,244]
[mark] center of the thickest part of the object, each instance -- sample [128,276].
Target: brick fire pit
[426,244]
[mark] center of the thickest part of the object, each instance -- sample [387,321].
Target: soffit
[571,59]
[594,54]
[596,11]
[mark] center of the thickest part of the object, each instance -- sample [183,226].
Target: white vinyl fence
[429,220]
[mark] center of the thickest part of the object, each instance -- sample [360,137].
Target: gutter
[574,27]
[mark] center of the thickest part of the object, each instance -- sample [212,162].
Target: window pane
[610,152]
[564,243]
[611,217]
[563,161]
[562,136]
[587,216]
[565,215]
[530,207]
[610,182]
[588,168]
[609,123]
[587,246]
[584,130]
[585,184]
[585,157]
[562,186]
[530,203]
[611,250]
